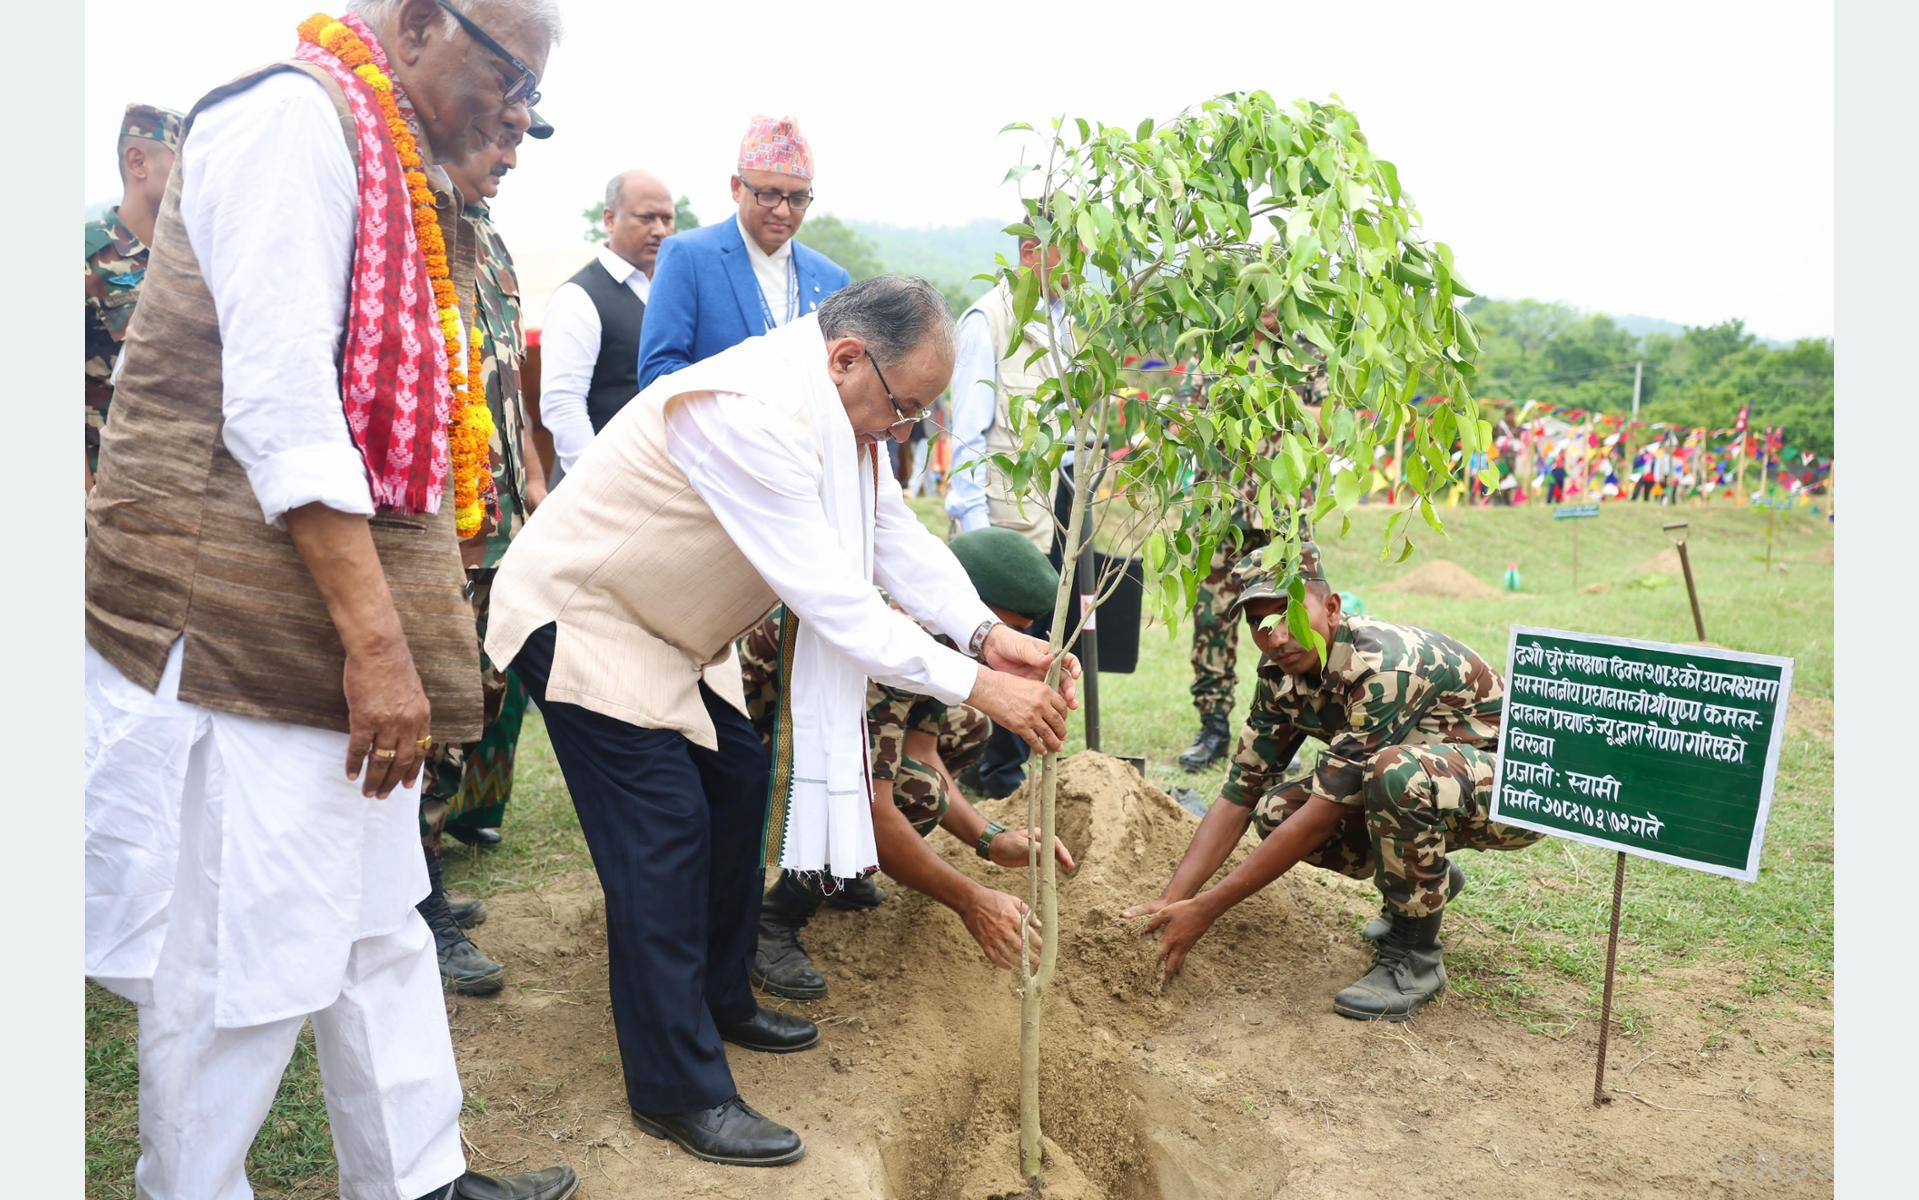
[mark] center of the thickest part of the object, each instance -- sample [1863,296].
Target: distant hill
[951,254]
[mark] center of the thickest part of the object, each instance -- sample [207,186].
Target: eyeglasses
[772,198]
[522,88]
[905,419]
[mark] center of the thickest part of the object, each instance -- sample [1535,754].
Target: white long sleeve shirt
[975,375]
[766,496]
[569,348]
[269,198]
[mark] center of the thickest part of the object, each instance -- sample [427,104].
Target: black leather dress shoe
[773,1032]
[730,1132]
[479,839]
[554,1183]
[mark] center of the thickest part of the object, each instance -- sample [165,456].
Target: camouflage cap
[153,123]
[539,128]
[1259,583]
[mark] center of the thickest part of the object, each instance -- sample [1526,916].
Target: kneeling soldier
[917,745]
[1410,719]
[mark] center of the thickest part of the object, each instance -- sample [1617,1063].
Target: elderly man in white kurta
[273,604]
[742,481]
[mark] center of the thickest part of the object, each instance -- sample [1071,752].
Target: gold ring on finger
[425,743]
[386,755]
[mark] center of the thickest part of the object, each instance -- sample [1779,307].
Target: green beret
[1258,583]
[1007,571]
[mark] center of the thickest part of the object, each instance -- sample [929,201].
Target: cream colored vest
[1013,376]
[646,588]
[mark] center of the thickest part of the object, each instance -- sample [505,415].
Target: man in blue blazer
[715,287]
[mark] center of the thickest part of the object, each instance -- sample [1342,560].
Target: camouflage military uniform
[919,791]
[1410,719]
[1215,633]
[471,783]
[116,263]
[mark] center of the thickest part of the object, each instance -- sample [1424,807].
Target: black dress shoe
[730,1132]
[773,1032]
[554,1183]
[479,839]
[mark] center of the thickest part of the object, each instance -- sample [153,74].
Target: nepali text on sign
[1666,751]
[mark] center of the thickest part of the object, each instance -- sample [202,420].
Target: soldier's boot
[1214,741]
[857,894]
[462,966]
[1377,927]
[780,964]
[1407,972]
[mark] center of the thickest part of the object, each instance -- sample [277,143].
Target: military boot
[780,964]
[1214,741]
[1377,927]
[462,966]
[1407,972]
[856,894]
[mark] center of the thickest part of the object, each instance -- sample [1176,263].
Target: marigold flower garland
[470,428]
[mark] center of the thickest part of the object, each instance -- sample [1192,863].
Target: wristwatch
[993,829]
[976,645]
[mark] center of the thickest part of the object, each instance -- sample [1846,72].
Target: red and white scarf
[393,382]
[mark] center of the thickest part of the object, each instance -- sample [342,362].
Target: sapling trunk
[1042,865]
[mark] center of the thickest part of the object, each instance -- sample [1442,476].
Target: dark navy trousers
[674,830]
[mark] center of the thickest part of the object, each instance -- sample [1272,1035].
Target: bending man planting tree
[1410,719]
[918,743]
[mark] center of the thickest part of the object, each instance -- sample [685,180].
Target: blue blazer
[705,298]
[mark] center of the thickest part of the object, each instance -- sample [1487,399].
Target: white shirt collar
[620,269]
[752,247]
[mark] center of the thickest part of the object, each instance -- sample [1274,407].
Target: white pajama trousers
[238,886]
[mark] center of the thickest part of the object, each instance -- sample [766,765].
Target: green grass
[1533,948]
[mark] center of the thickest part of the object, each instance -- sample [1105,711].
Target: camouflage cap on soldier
[1260,583]
[539,128]
[153,123]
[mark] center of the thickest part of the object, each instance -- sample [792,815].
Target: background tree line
[1534,350]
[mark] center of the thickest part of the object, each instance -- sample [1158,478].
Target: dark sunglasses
[905,417]
[522,88]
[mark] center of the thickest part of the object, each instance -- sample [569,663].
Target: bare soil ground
[1235,1081]
[1445,580]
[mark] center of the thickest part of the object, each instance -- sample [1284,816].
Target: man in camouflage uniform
[117,253]
[1215,629]
[466,787]
[917,746]
[1410,719]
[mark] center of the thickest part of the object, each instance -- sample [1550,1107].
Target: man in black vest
[589,346]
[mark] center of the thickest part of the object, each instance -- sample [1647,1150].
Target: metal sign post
[1649,748]
[1575,512]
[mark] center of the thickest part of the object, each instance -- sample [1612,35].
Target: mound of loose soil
[1823,554]
[1234,1081]
[1446,580]
[1666,562]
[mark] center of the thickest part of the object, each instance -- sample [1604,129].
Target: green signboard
[1659,750]
[1567,512]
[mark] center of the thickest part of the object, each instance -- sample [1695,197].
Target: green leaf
[1432,517]
[1019,172]
[1406,553]
[1144,131]
[1346,488]
[1016,125]
[1085,130]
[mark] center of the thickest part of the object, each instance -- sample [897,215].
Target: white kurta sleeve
[569,348]
[269,198]
[919,572]
[765,491]
[975,368]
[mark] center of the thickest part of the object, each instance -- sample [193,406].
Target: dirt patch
[1235,1081]
[1823,554]
[1596,589]
[1446,580]
[1666,562]
[1810,715]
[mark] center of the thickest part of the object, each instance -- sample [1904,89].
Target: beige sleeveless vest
[647,590]
[177,546]
[1013,376]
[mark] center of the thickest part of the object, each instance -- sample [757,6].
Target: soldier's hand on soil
[1180,924]
[1029,658]
[994,921]
[1011,848]
[1029,708]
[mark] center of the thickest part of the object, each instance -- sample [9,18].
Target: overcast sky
[1672,159]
